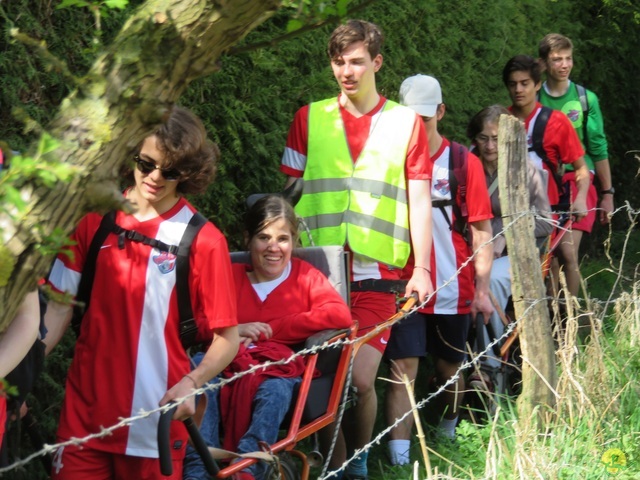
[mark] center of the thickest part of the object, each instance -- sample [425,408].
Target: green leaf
[47,144]
[12,197]
[342,7]
[72,3]
[294,24]
[121,4]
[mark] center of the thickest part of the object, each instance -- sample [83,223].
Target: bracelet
[424,268]
[195,384]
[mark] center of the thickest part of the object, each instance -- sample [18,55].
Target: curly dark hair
[183,140]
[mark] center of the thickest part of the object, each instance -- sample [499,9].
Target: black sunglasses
[146,167]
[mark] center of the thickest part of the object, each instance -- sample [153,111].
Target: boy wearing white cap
[441,328]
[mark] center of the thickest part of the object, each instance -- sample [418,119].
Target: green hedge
[249,104]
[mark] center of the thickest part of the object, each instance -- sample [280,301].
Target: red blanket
[236,398]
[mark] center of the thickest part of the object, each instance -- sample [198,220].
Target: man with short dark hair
[365,164]
[560,145]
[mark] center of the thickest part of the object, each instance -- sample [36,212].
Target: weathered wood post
[539,376]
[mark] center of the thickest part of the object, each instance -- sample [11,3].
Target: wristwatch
[608,191]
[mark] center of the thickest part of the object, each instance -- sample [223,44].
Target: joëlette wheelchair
[316,401]
[506,378]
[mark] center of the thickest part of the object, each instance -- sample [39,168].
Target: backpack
[188,329]
[458,168]
[536,146]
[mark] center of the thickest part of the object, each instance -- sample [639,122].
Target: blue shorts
[443,336]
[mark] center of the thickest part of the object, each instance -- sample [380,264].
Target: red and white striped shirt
[129,353]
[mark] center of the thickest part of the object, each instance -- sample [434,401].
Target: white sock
[448,427]
[399,451]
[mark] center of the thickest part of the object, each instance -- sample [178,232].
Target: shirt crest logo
[442,186]
[573,115]
[165,261]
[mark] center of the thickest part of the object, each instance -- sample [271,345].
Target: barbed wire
[531,302]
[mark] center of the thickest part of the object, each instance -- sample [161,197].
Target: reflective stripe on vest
[363,204]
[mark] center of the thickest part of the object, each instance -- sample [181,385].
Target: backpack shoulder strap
[537,143]
[457,183]
[188,328]
[459,166]
[107,226]
[537,136]
[584,105]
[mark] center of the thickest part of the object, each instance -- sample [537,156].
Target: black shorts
[443,336]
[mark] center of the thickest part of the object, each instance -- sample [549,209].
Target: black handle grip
[201,447]
[164,444]
[480,332]
[164,441]
[492,338]
[480,327]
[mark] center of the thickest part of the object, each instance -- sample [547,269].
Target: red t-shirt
[129,353]
[3,416]
[304,304]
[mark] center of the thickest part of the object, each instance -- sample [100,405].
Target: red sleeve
[3,414]
[561,141]
[418,165]
[294,158]
[321,307]
[212,287]
[67,269]
[478,200]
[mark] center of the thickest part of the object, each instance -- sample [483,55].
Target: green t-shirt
[595,146]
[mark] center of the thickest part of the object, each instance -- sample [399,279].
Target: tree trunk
[539,374]
[162,48]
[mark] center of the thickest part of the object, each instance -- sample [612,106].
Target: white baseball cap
[421,93]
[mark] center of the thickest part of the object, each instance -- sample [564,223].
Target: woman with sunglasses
[128,355]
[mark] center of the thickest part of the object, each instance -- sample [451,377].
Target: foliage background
[248,105]
[250,102]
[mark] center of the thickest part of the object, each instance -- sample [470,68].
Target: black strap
[188,328]
[584,104]
[537,145]
[458,168]
[89,270]
[379,285]
[140,238]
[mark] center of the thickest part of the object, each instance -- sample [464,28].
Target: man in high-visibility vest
[366,170]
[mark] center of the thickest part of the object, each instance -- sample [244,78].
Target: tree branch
[301,31]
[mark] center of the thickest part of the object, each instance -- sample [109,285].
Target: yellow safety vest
[363,204]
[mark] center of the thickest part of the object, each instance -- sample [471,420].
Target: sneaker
[480,381]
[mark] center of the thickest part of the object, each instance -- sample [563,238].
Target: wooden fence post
[539,376]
